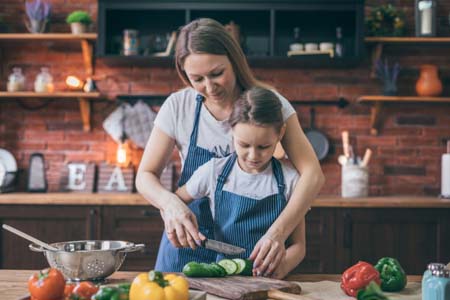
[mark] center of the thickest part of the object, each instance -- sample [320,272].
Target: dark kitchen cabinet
[266,28]
[337,237]
[137,224]
[320,242]
[49,223]
[415,236]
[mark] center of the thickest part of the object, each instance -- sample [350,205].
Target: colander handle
[36,248]
[133,248]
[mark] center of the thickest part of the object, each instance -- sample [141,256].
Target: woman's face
[212,76]
[254,145]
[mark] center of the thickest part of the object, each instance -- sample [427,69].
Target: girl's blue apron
[171,259]
[241,220]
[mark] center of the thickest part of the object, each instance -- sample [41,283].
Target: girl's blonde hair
[258,106]
[207,36]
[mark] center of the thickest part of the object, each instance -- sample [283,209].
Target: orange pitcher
[428,84]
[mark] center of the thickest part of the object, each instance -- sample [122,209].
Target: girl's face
[255,145]
[212,76]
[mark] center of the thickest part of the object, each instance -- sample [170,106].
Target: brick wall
[407,152]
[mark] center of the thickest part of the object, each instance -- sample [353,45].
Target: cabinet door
[320,242]
[415,237]
[137,224]
[47,223]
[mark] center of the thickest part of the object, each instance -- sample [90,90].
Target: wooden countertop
[136,199]
[13,283]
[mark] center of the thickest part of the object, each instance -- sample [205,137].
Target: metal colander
[87,260]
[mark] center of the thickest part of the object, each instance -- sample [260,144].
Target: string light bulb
[74,83]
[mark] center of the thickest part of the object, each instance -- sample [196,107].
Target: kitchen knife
[222,247]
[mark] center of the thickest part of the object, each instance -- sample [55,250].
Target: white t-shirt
[256,186]
[176,119]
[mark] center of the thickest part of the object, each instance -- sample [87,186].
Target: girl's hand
[267,255]
[281,271]
[180,224]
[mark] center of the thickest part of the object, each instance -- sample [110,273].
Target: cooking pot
[87,260]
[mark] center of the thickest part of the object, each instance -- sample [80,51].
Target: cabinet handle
[347,230]
[92,214]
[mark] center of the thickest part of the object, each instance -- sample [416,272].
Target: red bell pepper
[358,277]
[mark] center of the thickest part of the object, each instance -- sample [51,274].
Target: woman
[211,63]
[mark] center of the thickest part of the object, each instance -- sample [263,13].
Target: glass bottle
[43,82]
[339,46]
[16,82]
[297,44]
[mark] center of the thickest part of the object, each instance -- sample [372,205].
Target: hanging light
[122,147]
[74,83]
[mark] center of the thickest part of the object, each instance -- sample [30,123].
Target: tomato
[68,290]
[48,284]
[85,290]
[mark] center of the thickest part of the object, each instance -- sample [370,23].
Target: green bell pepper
[393,277]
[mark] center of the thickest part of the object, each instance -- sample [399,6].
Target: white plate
[8,160]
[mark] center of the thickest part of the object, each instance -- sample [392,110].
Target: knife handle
[279,295]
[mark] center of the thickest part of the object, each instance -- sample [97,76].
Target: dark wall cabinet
[138,224]
[266,27]
[336,237]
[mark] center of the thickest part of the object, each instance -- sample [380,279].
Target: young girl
[249,189]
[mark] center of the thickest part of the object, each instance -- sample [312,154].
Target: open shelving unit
[86,41]
[377,102]
[381,41]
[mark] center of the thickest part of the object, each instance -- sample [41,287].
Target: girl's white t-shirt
[203,182]
[176,119]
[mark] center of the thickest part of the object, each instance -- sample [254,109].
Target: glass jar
[43,82]
[16,82]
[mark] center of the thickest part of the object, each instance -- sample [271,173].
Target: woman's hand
[180,223]
[267,254]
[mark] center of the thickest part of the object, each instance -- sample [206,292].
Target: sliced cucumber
[220,271]
[229,265]
[245,266]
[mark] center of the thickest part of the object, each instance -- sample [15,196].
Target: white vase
[78,28]
[36,26]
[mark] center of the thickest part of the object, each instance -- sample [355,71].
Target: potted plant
[78,20]
[38,13]
[385,20]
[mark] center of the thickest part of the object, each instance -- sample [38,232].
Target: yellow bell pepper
[155,286]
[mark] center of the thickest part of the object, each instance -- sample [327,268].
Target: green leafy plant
[79,16]
[385,20]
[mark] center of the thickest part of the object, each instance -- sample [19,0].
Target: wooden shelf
[378,101]
[375,98]
[381,41]
[406,40]
[48,36]
[59,95]
[86,40]
[83,101]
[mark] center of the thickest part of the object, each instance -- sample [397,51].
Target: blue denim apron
[241,220]
[171,259]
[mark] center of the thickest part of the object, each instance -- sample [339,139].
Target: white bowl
[311,47]
[325,46]
[296,47]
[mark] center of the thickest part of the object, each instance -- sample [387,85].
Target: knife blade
[222,247]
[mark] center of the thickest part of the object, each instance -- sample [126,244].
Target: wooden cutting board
[242,287]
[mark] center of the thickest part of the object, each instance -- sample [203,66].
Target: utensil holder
[355,181]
